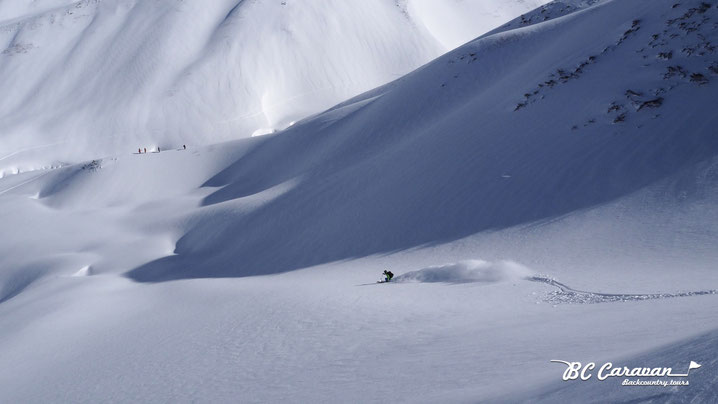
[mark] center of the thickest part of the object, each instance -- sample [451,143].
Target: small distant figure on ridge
[139,151]
[158,149]
[145,150]
[184,147]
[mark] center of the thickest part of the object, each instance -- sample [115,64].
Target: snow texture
[468,271]
[577,140]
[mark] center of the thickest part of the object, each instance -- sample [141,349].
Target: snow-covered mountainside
[546,191]
[495,135]
[97,77]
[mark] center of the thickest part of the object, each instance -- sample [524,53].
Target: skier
[387,276]
[184,146]
[158,149]
[139,151]
[145,150]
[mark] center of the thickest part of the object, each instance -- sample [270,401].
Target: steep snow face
[95,77]
[492,135]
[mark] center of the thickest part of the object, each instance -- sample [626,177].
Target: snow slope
[495,136]
[99,77]
[700,348]
[570,148]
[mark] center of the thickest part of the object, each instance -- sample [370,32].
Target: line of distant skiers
[140,149]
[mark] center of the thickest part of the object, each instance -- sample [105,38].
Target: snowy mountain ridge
[100,77]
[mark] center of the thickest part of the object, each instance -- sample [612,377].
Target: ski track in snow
[16,152]
[569,295]
[23,183]
[479,271]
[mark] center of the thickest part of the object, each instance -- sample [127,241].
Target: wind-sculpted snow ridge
[546,12]
[468,271]
[568,295]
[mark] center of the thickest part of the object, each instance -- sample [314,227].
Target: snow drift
[468,271]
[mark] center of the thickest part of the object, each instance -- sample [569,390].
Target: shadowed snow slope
[93,77]
[515,127]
